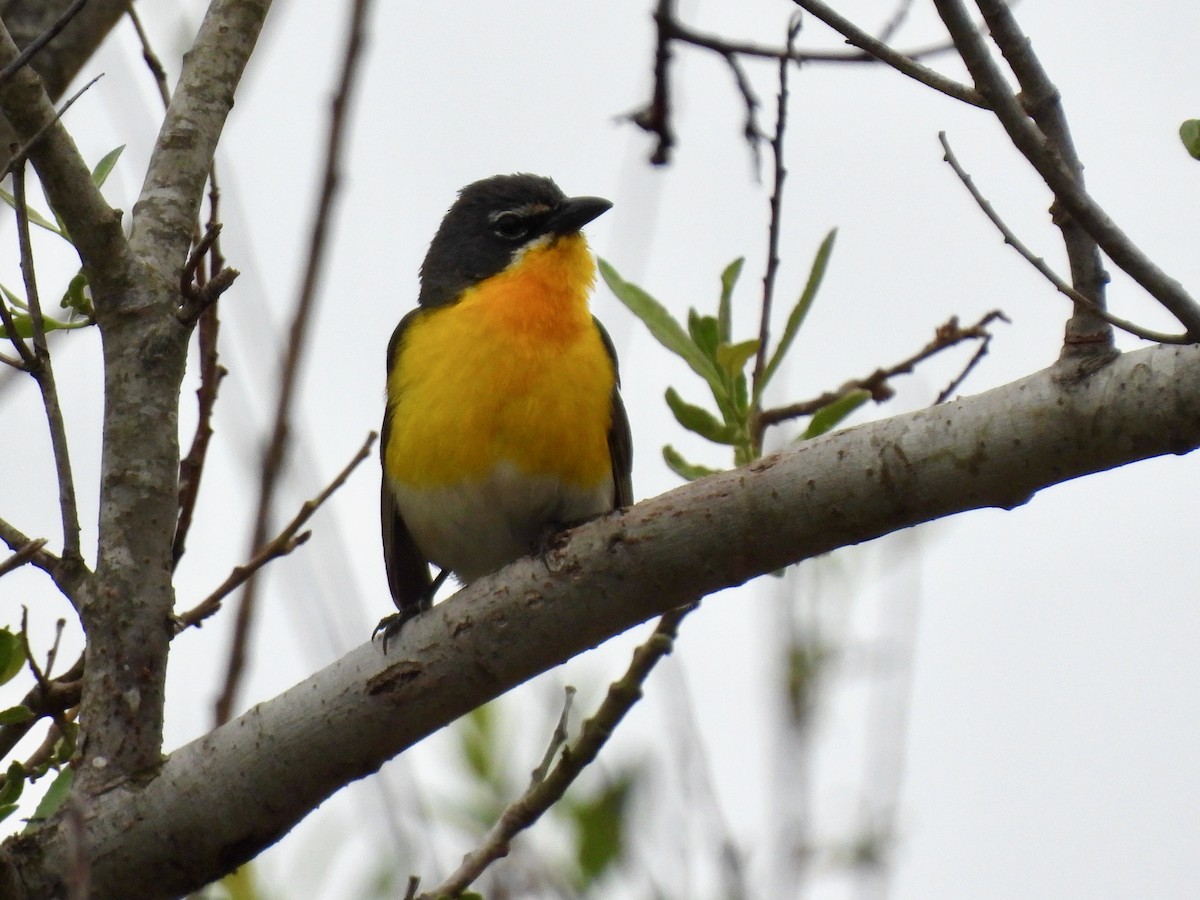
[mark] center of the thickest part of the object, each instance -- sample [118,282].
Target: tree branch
[1088,332]
[43,373]
[302,316]
[250,781]
[1028,138]
[905,64]
[548,787]
[212,69]
[282,544]
[1043,267]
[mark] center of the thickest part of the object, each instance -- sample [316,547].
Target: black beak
[574,213]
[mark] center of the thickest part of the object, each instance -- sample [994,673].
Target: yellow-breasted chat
[504,422]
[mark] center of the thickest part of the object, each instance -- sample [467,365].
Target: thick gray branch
[165,214]
[220,800]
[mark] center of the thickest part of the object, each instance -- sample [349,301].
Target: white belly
[480,526]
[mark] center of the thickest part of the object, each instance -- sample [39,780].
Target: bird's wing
[407,569]
[620,440]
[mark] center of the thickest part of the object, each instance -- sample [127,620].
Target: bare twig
[1088,332]
[656,116]
[191,467]
[199,293]
[1043,267]
[43,373]
[152,61]
[282,544]
[557,738]
[42,680]
[22,153]
[889,29]
[905,64]
[688,35]
[776,205]
[42,558]
[949,391]
[22,556]
[1028,138]
[35,46]
[44,699]
[947,335]
[542,794]
[302,316]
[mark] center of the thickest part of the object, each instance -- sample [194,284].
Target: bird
[503,422]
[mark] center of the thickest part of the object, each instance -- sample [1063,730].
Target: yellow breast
[513,372]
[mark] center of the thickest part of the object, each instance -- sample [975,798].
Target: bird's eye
[509,226]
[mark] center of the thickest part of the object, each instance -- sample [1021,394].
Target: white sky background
[1052,749]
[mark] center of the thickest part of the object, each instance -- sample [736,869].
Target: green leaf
[6,811]
[65,748]
[703,330]
[12,653]
[23,325]
[15,715]
[662,325]
[725,309]
[105,166]
[14,783]
[75,296]
[481,747]
[700,420]
[681,467]
[56,794]
[799,311]
[733,357]
[35,217]
[829,416]
[14,299]
[1189,133]
[599,828]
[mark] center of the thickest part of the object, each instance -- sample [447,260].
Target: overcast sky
[1049,744]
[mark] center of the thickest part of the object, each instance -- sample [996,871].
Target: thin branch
[545,792]
[157,70]
[94,226]
[35,46]
[199,294]
[947,335]
[302,317]
[41,558]
[55,696]
[1088,332]
[191,467]
[1073,199]
[557,738]
[776,205]
[688,35]
[43,373]
[22,556]
[892,25]
[28,361]
[900,62]
[656,116]
[1043,267]
[282,544]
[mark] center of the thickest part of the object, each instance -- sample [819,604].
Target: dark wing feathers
[407,570]
[620,440]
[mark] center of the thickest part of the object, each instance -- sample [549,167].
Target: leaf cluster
[708,346]
[76,299]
